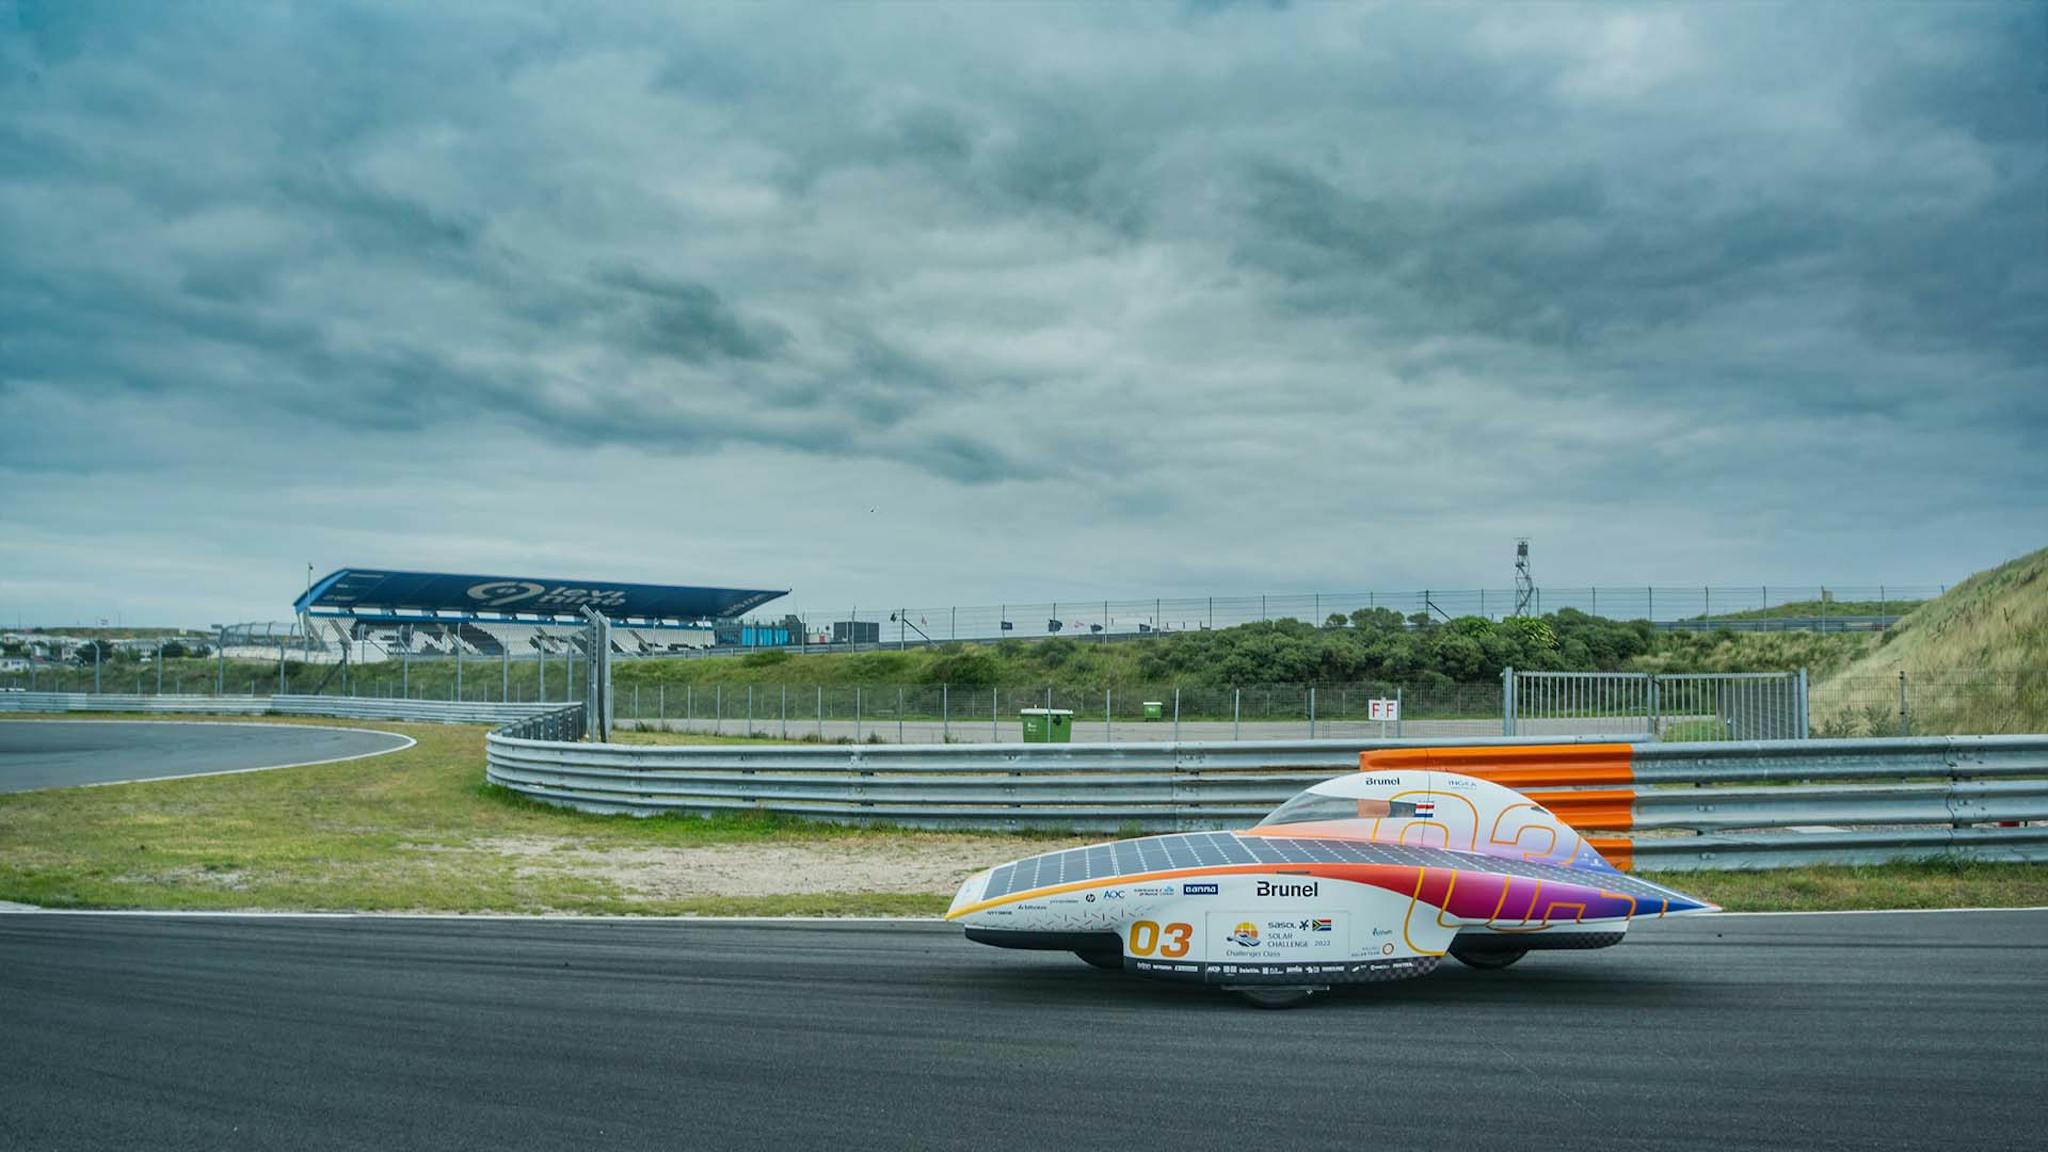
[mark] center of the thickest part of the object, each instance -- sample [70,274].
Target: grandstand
[380,614]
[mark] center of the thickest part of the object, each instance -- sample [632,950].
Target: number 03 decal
[1145,939]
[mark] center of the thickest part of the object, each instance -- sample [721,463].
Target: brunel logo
[526,594]
[1268,888]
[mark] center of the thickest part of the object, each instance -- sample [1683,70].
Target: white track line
[610,918]
[536,918]
[1886,911]
[409,742]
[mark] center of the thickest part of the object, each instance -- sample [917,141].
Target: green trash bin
[1048,725]
[1155,709]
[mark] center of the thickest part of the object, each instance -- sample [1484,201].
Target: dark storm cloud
[1160,264]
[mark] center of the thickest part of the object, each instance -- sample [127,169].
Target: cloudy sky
[933,303]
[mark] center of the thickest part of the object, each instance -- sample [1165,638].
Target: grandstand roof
[382,593]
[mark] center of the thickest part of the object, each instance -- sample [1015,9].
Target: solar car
[1368,877]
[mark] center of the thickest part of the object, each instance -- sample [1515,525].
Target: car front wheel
[1276,997]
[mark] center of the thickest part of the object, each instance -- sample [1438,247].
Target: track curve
[1865,1031]
[37,754]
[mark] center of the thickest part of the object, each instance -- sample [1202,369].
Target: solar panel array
[1221,849]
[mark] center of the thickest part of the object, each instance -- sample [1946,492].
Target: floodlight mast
[1525,584]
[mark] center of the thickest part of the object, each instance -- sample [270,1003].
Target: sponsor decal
[1306,924]
[1270,888]
[1112,894]
[1091,897]
[1383,931]
[1160,890]
[1195,888]
[1387,949]
[528,594]
[1246,936]
[1395,781]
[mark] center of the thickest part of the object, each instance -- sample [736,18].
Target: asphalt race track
[1850,1031]
[62,753]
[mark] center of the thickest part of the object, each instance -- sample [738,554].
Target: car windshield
[1315,807]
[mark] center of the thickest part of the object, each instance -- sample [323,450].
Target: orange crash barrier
[1520,767]
[1567,779]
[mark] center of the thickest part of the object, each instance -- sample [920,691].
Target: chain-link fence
[931,713]
[1906,705]
[1756,607]
[1686,708]
[522,679]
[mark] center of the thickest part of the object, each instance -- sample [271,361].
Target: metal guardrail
[337,707]
[1750,804]
[561,723]
[129,702]
[437,711]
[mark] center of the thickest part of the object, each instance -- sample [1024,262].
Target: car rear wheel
[1102,959]
[1265,997]
[1487,958]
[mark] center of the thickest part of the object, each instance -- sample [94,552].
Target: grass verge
[1936,883]
[418,830]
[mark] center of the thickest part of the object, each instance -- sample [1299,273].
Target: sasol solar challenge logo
[1246,936]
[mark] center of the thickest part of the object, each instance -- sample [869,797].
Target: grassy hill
[1810,609]
[1975,660]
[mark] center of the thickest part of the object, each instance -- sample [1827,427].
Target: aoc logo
[1198,889]
[1268,888]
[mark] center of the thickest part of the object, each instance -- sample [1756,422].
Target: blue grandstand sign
[381,594]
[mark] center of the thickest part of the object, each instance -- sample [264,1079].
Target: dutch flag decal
[1425,809]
